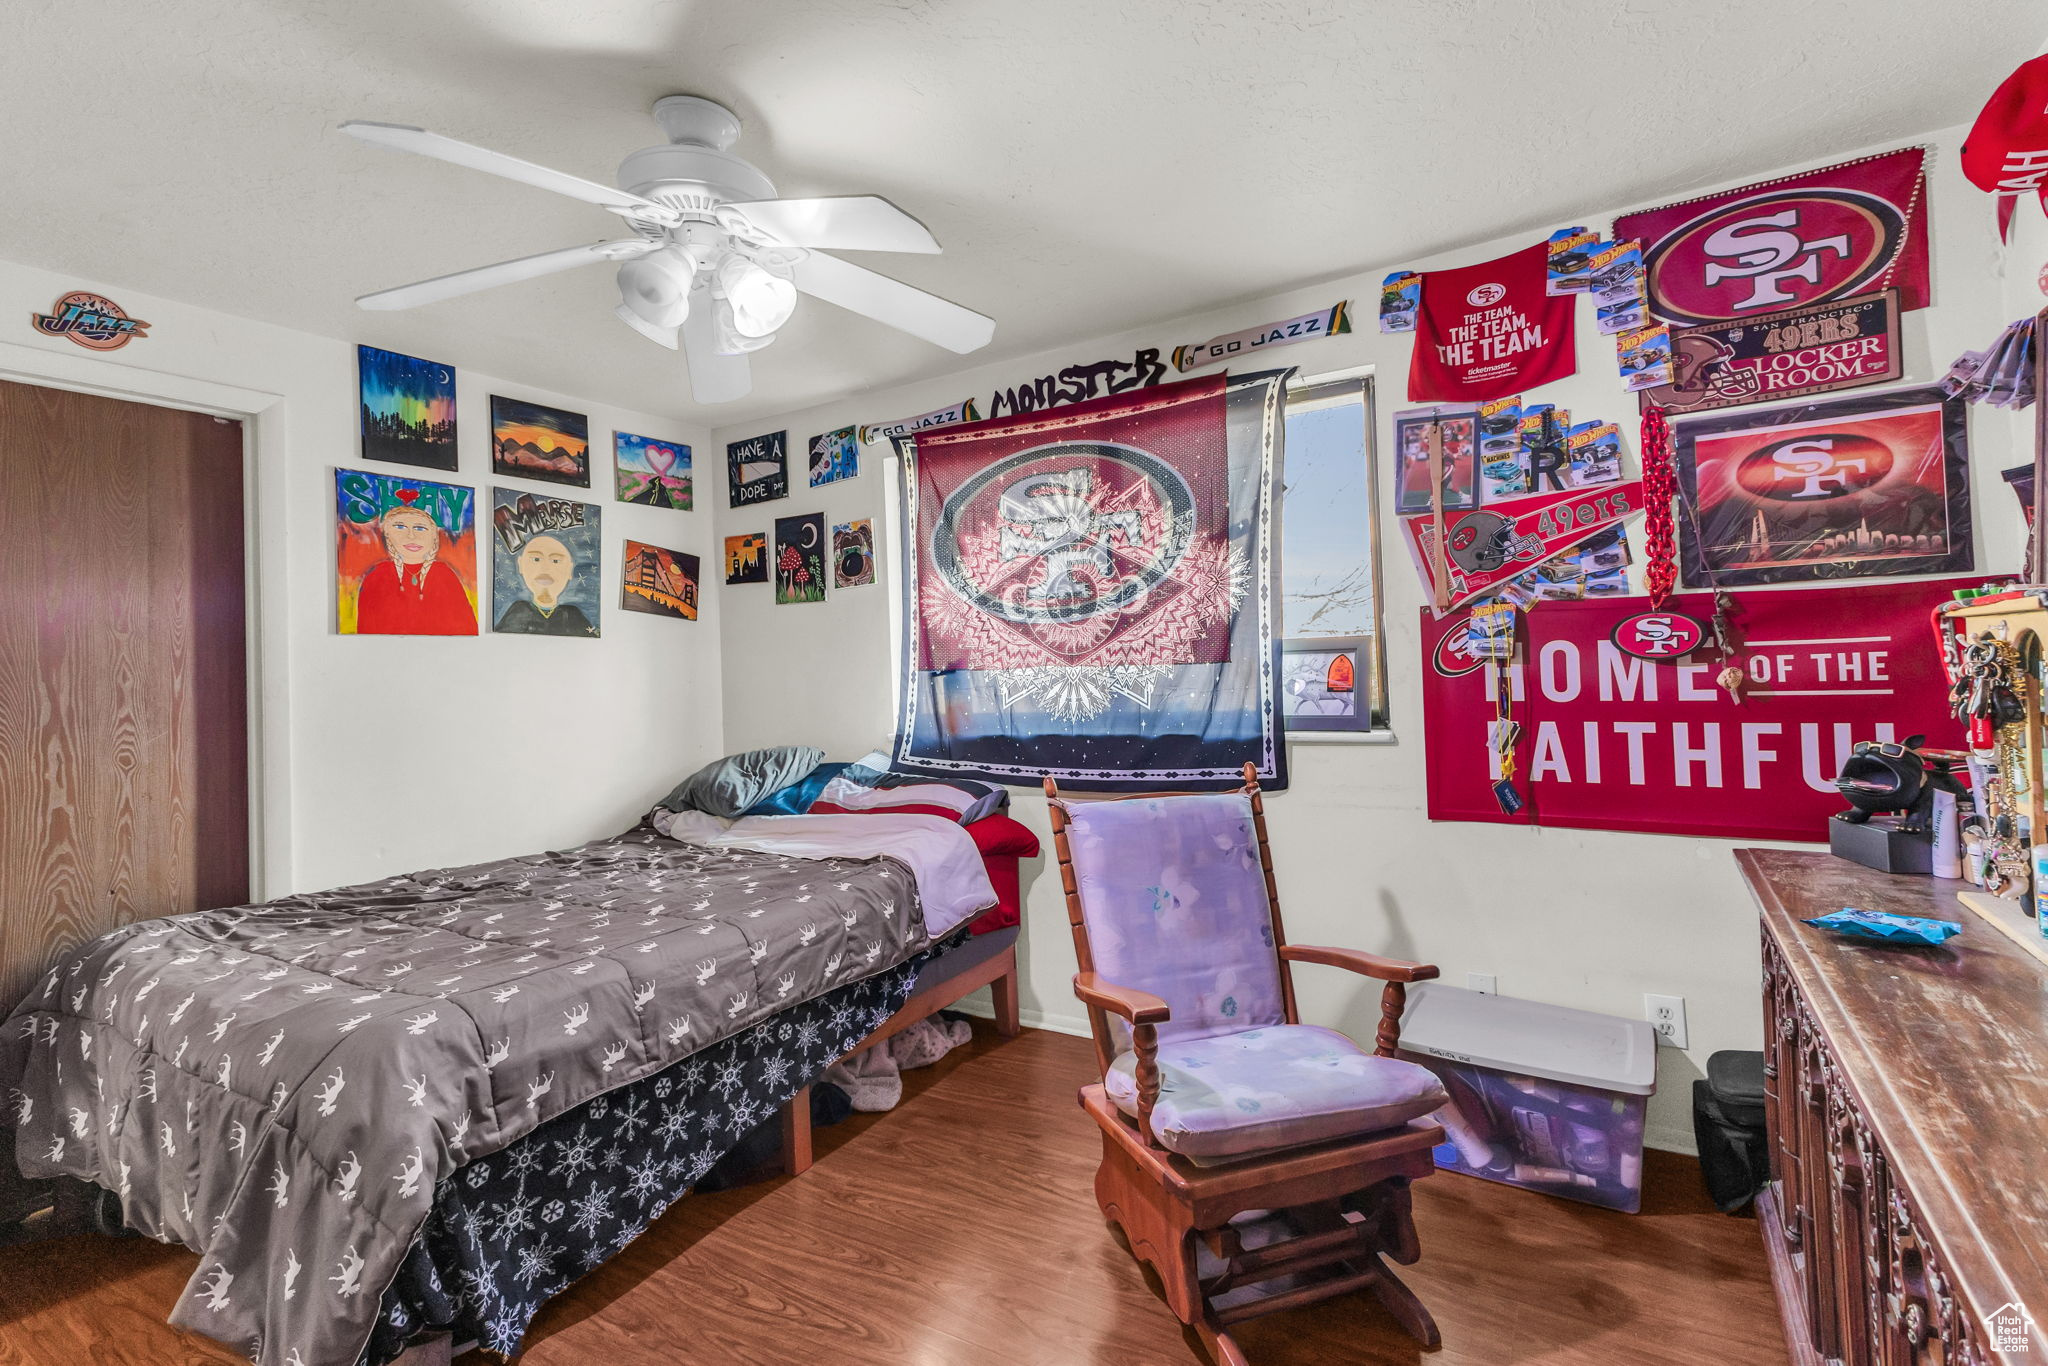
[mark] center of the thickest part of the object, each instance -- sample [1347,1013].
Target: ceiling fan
[716,261]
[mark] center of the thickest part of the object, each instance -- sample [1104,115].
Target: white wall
[1583,918]
[521,742]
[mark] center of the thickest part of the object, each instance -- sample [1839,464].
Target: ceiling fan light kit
[656,287]
[761,300]
[717,261]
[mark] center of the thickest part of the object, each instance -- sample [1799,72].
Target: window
[1329,561]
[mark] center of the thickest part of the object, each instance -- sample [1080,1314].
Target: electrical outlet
[1482,982]
[1666,1015]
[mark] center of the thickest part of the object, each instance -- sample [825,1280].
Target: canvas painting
[1844,488]
[834,456]
[404,556]
[757,469]
[746,558]
[656,473]
[663,582]
[408,409]
[853,553]
[800,558]
[533,441]
[546,558]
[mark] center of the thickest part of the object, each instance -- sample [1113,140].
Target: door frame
[266,635]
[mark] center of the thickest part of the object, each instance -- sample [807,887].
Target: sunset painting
[532,441]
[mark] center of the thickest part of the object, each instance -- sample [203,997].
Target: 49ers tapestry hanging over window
[1089,591]
[1801,239]
[1489,330]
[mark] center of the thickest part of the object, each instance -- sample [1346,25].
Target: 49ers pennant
[1801,239]
[1490,330]
[1486,548]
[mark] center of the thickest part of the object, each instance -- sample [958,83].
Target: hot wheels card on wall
[1616,272]
[1571,260]
[1595,452]
[1400,297]
[1503,469]
[1544,429]
[1644,356]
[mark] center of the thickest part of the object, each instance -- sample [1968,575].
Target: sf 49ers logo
[1805,469]
[1083,530]
[1453,655]
[1659,635]
[1773,251]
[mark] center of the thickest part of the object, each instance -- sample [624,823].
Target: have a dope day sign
[1488,330]
[1612,742]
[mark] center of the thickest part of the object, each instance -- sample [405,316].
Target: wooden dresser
[1907,1091]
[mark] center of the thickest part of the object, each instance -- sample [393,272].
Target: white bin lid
[1531,1039]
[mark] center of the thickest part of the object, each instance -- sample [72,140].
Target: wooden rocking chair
[1215,1100]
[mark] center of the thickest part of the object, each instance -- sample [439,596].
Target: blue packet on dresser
[1887,928]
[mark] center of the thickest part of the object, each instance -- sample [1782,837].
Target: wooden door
[124,770]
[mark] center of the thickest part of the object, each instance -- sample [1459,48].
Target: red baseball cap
[2006,153]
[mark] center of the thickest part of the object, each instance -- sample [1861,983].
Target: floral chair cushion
[1175,901]
[1225,1096]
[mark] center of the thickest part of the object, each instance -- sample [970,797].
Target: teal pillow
[734,783]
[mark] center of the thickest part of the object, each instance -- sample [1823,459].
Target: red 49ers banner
[1490,330]
[1800,239]
[1613,742]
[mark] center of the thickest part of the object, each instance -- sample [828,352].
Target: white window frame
[1381,732]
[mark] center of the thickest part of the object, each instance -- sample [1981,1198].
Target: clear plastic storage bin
[1543,1097]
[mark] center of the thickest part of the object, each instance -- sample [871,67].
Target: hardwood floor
[960,1230]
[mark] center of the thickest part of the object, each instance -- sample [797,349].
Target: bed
[314,1093]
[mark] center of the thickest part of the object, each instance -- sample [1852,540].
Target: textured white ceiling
[1090,167]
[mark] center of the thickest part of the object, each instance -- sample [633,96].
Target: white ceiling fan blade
[404,138]
[893,302]
[713,378]
[854,222]
[504,273]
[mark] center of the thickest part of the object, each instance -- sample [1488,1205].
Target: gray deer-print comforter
[279,1087]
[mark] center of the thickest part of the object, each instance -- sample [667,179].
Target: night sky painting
[408,409]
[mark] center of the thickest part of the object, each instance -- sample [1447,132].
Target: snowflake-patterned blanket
[279,1087]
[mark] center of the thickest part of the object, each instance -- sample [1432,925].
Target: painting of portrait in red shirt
[405,556]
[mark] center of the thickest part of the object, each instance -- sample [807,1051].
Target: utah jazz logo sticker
[92,320]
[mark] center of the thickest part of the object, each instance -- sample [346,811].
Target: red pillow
[1003,835]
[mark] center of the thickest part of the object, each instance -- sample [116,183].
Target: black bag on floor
[1728,1125]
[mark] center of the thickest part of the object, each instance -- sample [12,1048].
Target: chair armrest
[1395,972]
[1363,963]
[1146,1013]
[1139,1007]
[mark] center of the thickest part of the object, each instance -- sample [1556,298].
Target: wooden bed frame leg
[1003,991]
[796,1134]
